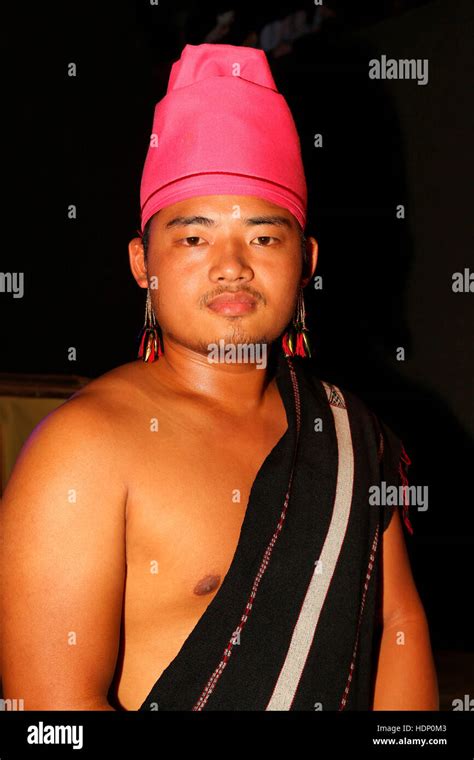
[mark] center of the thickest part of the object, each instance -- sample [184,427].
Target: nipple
[207,584]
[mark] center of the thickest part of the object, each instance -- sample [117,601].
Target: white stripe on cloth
[305,628]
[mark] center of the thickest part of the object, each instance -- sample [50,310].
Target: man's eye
[264,238]
[194,238]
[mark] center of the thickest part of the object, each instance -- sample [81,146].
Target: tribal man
[196,534]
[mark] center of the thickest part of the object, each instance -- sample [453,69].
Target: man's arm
[62,563]
[406,677]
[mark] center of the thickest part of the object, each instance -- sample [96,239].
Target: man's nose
[230,263]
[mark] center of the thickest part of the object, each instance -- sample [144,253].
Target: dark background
[386,282]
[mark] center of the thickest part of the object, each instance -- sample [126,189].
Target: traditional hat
[223,128]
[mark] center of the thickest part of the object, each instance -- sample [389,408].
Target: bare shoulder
[112,393]
[85,435]
[63,535]
[99,407]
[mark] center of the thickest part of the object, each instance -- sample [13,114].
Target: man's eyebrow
[278,221]
[183,221]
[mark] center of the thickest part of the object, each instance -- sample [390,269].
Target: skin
[111,551]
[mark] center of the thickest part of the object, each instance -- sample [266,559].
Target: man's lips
[232,304]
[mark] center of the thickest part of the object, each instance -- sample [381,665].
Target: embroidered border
[368,576]
[334,395]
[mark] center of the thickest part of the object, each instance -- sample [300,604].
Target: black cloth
[295,623]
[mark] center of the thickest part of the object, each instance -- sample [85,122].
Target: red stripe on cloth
[362,605]
[404,463]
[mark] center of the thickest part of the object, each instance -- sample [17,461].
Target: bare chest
[185,509]
[188,496]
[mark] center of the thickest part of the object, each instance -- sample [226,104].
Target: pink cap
[223,128]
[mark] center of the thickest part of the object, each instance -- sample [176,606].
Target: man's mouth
[233,304]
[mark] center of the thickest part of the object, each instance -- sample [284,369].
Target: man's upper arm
[400,598]
[63,562]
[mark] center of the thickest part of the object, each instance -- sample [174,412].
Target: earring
[295,341]
[150,344]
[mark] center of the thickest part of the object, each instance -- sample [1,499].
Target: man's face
[244,250]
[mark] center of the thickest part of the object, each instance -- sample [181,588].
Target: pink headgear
[223,128]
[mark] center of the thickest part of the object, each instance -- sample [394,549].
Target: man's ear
[136,255]
[311,260]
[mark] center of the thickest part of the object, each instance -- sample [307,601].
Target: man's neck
[237,387]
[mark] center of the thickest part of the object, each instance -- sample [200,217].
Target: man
[194,531]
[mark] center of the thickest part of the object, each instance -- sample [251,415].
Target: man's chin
[204,345]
